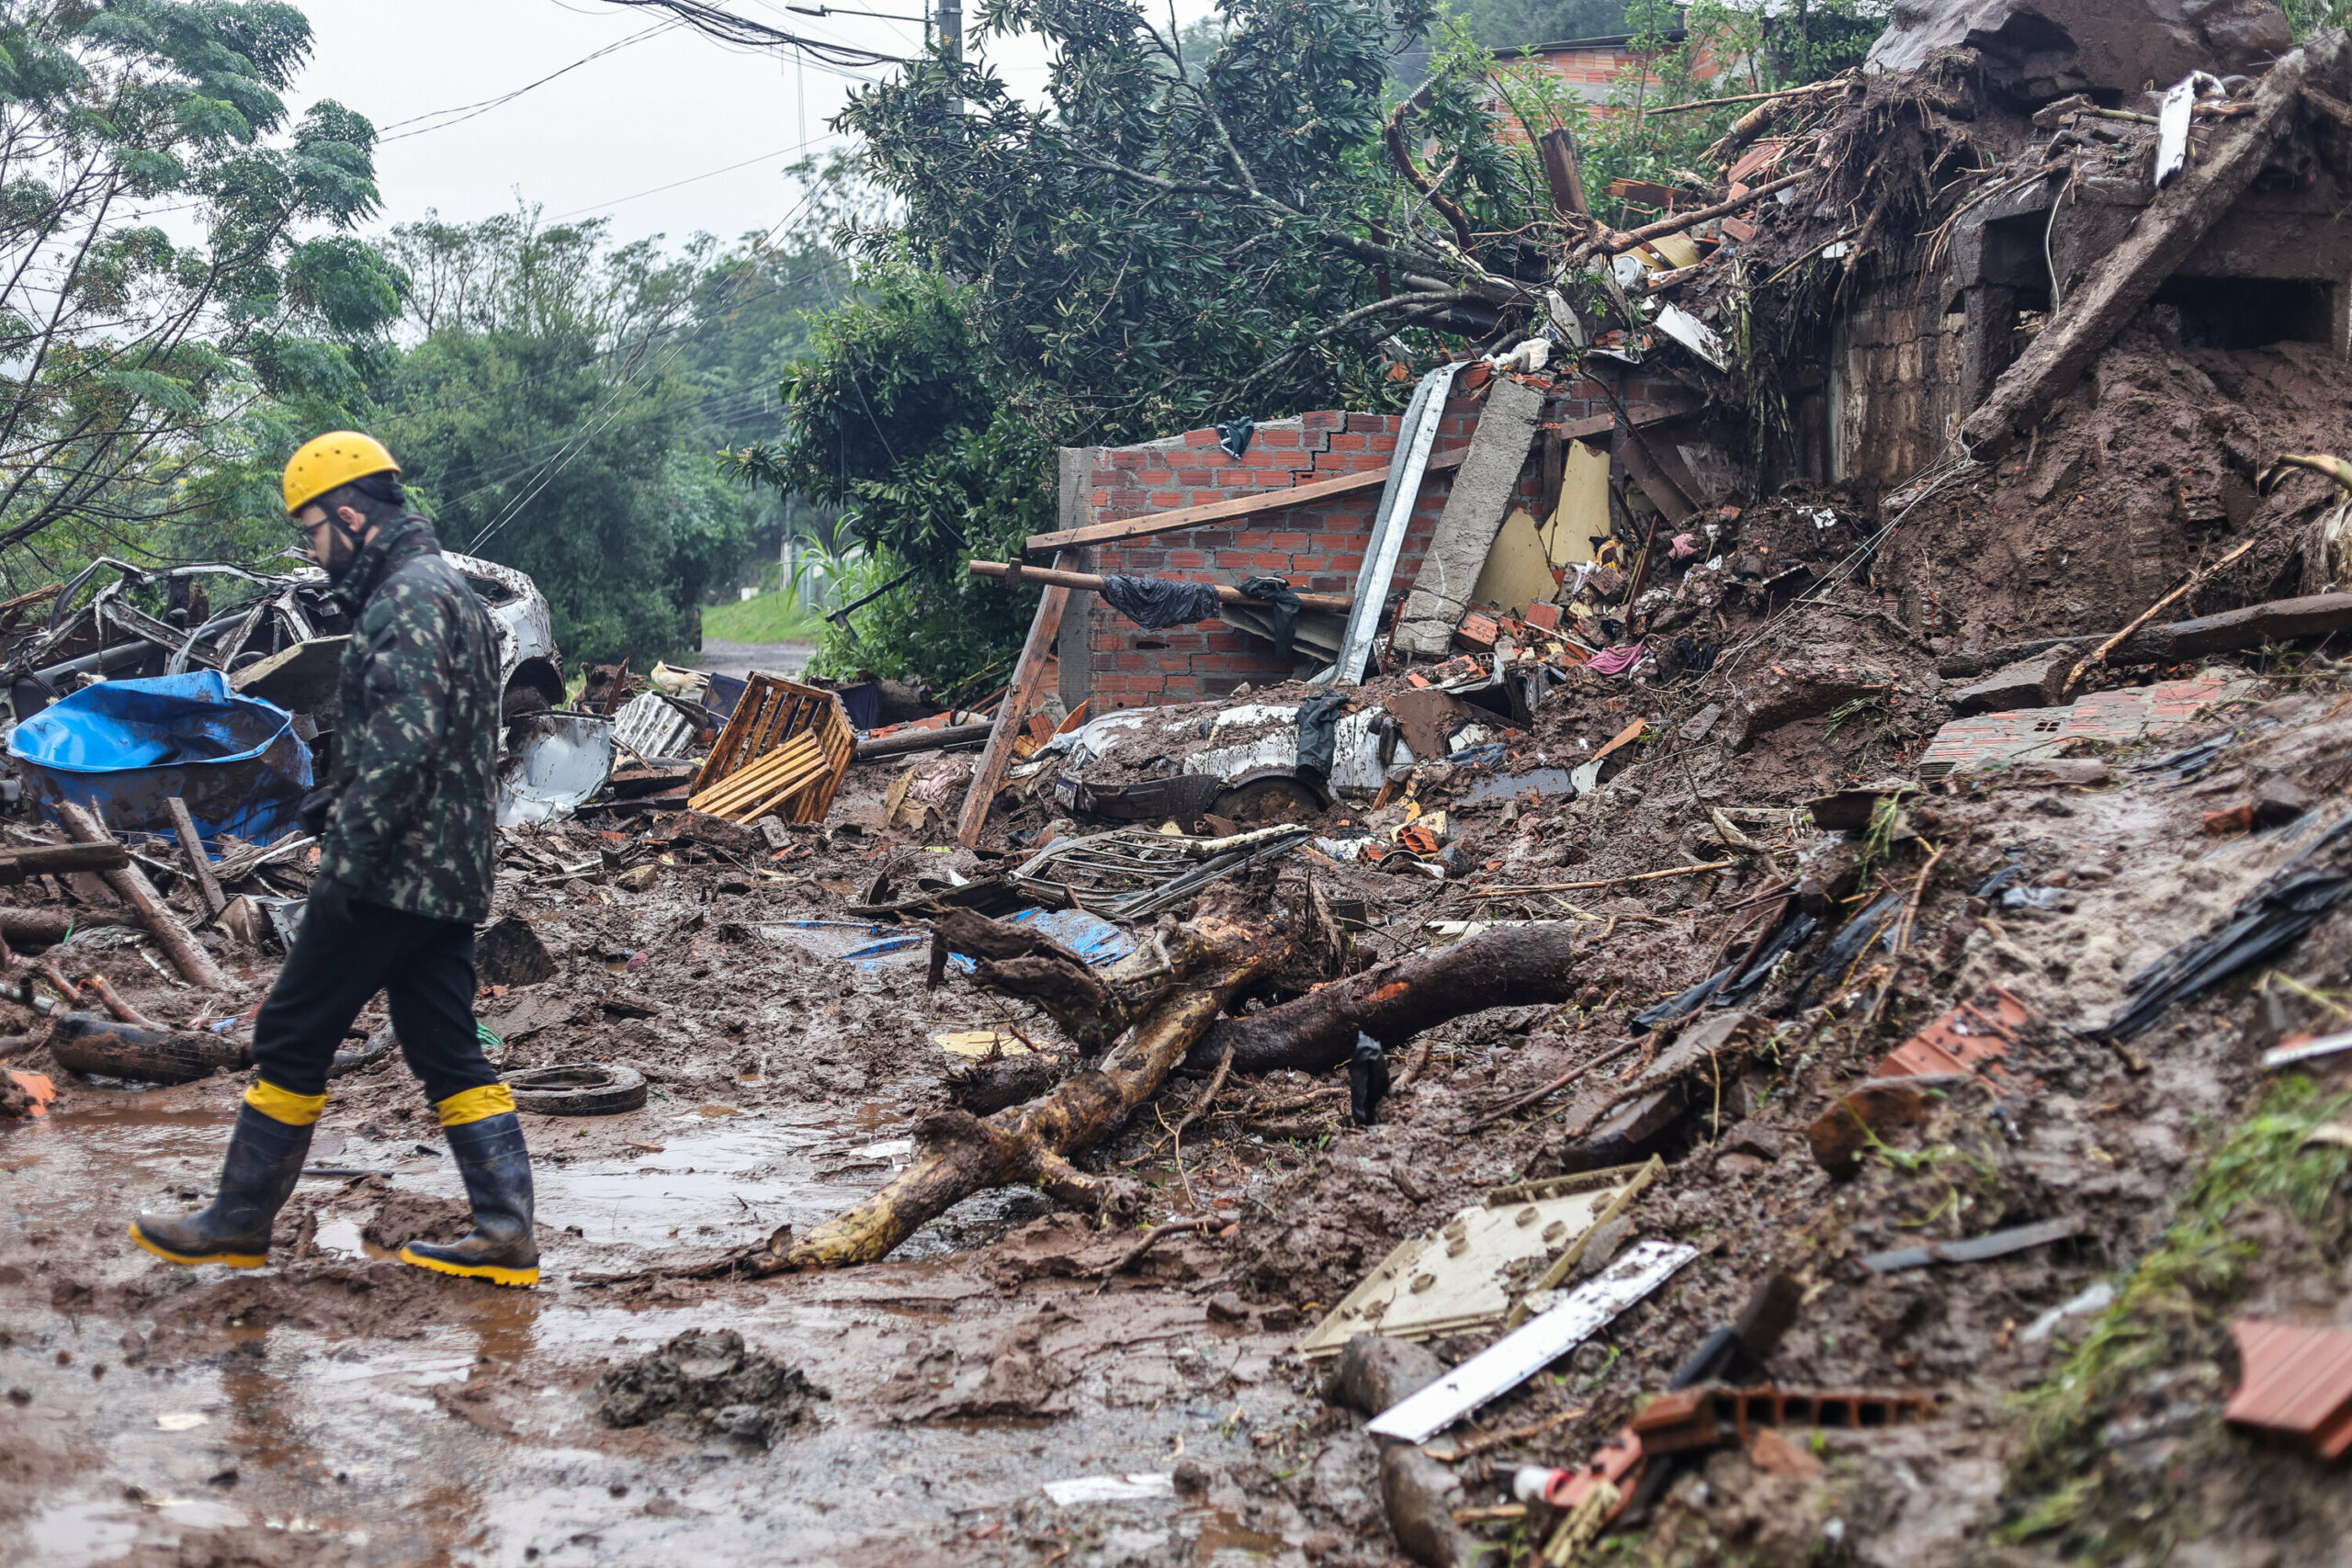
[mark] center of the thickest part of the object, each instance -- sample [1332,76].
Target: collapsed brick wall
[1318,547]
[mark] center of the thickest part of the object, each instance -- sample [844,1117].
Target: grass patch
[768,617]
[2174,1309]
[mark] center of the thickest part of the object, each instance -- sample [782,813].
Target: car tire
[367,1055]
[577,1090]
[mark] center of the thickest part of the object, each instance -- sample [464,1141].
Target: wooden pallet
[784,750]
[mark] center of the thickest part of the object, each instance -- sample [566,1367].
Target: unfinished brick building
[1318,546]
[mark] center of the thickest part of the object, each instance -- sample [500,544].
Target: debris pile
[1776,1003]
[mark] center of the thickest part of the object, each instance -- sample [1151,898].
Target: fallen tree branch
[1395,1000]
[1151,1238]
[1618,243]
[1500,891]
[1563,1081]
[2196,579]
[1030,1145]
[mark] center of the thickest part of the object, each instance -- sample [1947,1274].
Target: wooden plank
[1028,680]
[133,884]
[192,846]
[1240,506]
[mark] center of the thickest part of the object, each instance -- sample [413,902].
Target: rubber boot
[497,1169]
[265,1156]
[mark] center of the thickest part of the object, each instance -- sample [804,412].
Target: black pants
[425,967]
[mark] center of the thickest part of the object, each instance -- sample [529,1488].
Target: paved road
[742,658]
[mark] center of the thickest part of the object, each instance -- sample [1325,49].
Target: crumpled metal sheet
[556,760]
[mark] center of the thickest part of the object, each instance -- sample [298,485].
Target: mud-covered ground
[339,1408]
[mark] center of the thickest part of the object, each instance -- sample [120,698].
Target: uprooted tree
[1161,1005]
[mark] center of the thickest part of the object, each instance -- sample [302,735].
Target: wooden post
[133,884]
[192,846]
[1560,172]
[1028,681]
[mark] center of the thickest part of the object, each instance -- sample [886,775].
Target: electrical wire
[467,111]
[745,33]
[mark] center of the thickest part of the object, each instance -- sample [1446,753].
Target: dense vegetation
[1262,214]
[1290,203]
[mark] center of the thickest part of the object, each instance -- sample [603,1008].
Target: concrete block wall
[1320,547]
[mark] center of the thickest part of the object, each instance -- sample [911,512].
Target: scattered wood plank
[199,865]
[1028,683]
[175,939]
[1239,506]
[1015,571]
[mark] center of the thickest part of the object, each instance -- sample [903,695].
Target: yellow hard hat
[327,462]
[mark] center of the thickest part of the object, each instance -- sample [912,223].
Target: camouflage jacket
[414,823]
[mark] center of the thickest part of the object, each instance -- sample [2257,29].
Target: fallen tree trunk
[2168,229]
[15,865]
[960,1154]
[2280,620]
[1393,1001]
[47,928]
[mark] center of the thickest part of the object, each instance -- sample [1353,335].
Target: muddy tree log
[959,1155]
[2168,229]
[1393,1001]
[47,928]
[16,865]
[1020,962]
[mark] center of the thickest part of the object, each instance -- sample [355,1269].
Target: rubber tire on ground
[383,1039]
[579,1090]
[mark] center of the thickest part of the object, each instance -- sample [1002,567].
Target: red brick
[1351,442]
[1166,500]
[1199,438]
[1276,438]
[1187,561]
[1323,418]
[1287,541]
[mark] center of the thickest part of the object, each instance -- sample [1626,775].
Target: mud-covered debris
[1975,1249]
[712,1383]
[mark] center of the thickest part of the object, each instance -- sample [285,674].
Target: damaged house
[1727,940]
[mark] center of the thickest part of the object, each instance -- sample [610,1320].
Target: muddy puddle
[385,1416]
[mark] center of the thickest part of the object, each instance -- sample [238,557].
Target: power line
[466,111]
[743,32]
[690,180]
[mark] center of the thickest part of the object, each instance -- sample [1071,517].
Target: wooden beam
[192,846]
[2127,277]
[1012,571]
[1240,506]
[1028,680]
[132,882]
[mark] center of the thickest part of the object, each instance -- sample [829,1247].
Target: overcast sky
[673,109]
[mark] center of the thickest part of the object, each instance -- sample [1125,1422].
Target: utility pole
[951,29]
[951,39]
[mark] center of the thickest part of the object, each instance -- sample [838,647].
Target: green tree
[146,380]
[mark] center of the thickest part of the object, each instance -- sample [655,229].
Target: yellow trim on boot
[476,1104]
[489,1271]
[285,1105]
[233,1259]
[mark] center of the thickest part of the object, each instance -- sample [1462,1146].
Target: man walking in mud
[407,840]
